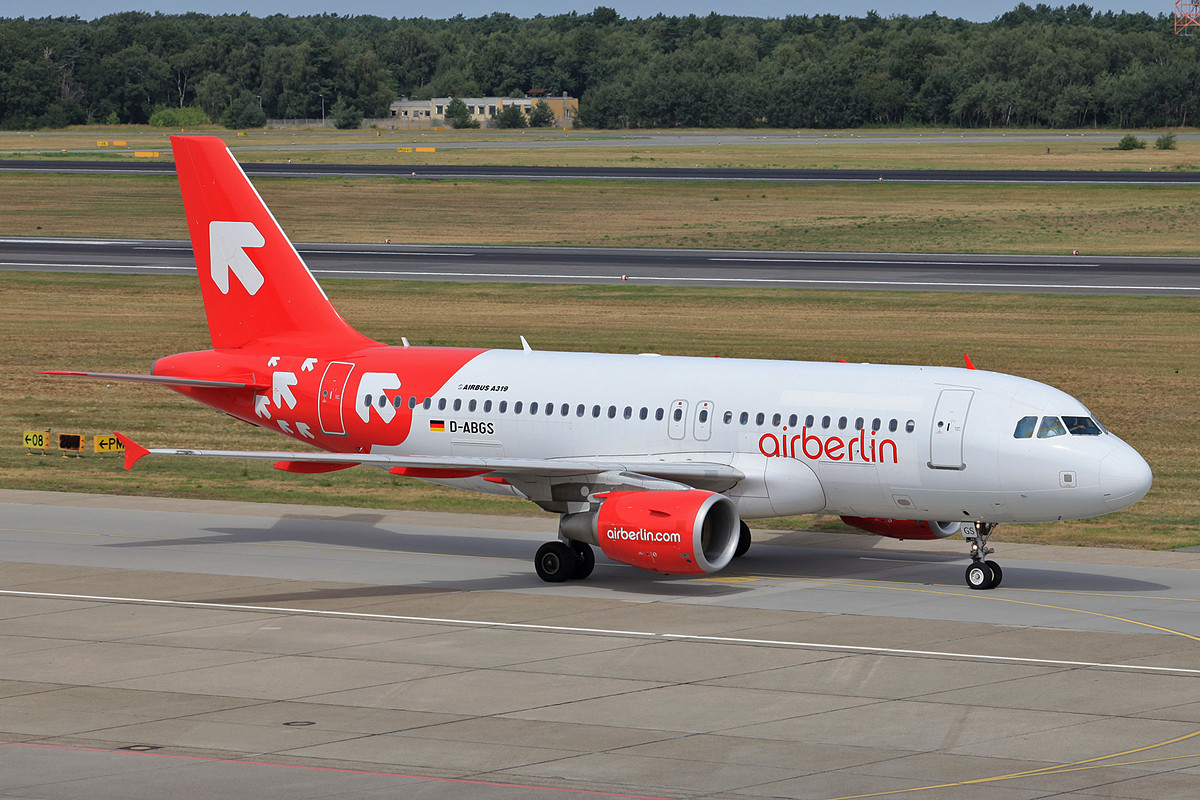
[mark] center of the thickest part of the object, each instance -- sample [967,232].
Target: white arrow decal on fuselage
[309,364]
[227,243]
[261,403]
[281,389]
[372,387]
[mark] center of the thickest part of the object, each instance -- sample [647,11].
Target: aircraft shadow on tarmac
[764,562]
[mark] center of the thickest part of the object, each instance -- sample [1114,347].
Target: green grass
[1131,359]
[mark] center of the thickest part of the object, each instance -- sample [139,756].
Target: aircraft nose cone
[1125,478]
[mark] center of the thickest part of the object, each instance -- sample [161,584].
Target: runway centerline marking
[528,626]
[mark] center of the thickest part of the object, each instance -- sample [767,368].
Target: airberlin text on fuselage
[833,448]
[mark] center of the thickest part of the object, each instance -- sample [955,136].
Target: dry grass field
[872,217]
[1132,360]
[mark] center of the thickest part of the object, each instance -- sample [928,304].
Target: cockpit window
[1051,427]
[1082,426]
[1025,428]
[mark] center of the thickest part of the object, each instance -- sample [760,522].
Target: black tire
[997,574]
[743,545]
[585,560]
[980,575]
[554,562]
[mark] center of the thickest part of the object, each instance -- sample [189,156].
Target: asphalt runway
[440,172]
[799,270]
[152,647]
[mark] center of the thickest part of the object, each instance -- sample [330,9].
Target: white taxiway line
[605,632]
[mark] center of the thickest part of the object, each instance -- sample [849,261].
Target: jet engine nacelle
[904,528]
[685,532]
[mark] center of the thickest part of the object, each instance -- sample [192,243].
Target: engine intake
[686,532]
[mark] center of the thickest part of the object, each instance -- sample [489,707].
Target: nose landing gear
[981,574]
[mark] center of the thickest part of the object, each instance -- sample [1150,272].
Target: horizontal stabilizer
[166,380]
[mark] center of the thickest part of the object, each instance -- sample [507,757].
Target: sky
[974,10]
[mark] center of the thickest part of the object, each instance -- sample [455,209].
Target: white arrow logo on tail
[227,243]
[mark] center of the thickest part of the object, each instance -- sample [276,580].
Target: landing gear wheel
[743,541]
[997,574]
[555,562]
[585,560]
[980,575]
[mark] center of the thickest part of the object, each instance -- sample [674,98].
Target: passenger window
[612,412]
[875,423]
[517,407]
[825,422]
[412,402]
[858,424]
[1025,428]
[471,405]
[744,417]
[1051,427]
[728,417]
[487,406]
[549,409]
[503,406]
[841,423]
[428,401]
[457,404]
[677,414]
[809,420]
[703,415]
[892,425]
[441,404]
[397,401]
[533,407]
[383,401]
[628,412]
[910,426]
[658,415]
[1081,426]
[595,411]
[759,418]
[579,410]
[645,412]
[792,421]
[367,401]
[775,420]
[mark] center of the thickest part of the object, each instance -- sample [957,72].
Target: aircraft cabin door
[677,419]
[329,407]
[946,434]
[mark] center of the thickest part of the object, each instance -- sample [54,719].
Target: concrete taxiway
[152,646]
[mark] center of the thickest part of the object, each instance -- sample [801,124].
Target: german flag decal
[437,426]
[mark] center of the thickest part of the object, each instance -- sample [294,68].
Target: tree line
[1032,66]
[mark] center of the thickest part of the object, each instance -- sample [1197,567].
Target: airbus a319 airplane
[657,460]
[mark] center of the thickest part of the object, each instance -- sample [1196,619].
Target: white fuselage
[851,439]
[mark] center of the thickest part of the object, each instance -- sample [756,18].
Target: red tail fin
[254,283]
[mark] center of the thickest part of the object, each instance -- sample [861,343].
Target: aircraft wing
[523,469]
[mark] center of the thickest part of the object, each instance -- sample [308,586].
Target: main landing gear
[981,574]
[560,561]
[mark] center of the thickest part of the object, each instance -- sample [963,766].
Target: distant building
[405,113]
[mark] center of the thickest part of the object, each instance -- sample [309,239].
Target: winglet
[967,359]
[133,450]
